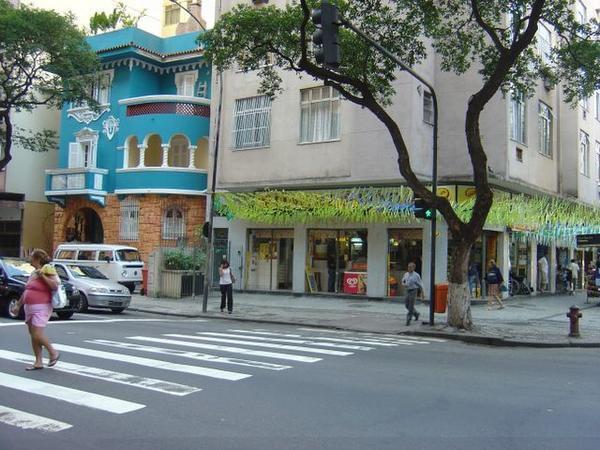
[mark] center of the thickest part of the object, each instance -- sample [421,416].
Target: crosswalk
[235,355]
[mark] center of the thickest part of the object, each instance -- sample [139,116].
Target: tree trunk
[459,299]
[8,132]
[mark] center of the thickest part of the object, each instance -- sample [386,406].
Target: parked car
[95,290]
[118,263]
[14,273]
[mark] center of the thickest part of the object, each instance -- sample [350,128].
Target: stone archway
[85,226]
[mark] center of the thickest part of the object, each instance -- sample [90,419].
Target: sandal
[34,368]
[53,361]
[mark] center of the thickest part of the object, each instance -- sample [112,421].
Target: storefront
[520,258]
[404,246]
[269,260]
[337,261]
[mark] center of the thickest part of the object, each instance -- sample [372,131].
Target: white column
[533,280]
[552,261]
[165,155]
[377,260]
[192,150]
[300,244]
[125,156]
[142,149]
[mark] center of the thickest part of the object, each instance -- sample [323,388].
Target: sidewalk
[536,321]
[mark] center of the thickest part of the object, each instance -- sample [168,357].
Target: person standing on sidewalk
[574,268]
[226,280]
[411,280]
[37,299]
[494,279]
[543,273]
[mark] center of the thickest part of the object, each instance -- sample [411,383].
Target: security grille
[130,217]
[252,122]
[183,109]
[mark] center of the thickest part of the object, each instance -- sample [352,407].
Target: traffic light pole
[393,57]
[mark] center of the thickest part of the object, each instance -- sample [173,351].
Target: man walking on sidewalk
[574,268]
[413,284]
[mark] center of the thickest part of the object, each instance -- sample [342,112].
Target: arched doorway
[85,226]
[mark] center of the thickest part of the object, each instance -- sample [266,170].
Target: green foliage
[119,17]
[462,35]
[181,259]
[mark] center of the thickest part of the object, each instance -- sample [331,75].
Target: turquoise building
[134,171]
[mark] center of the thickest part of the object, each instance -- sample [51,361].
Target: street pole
[211,192]
[433,163]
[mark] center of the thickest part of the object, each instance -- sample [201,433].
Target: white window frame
[173,227]
[83,153]
[598,161]
[597,105]
[129,219]
[428,108]
[581,12]
[584,153]
[319,115]
[251,123]
[544,43]
[518,117]
[186,83]
[545,128]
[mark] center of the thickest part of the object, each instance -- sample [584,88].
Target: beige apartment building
[308,138]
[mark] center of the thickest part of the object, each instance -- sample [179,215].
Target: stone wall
[152,208]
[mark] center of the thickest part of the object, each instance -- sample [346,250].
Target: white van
[117,262]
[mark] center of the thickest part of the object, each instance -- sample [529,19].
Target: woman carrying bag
[226,280]
[37,299]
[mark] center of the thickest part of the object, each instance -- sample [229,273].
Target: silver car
[96,291]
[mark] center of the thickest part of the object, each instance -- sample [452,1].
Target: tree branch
[486,27]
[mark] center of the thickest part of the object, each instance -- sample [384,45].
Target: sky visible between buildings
[83,10]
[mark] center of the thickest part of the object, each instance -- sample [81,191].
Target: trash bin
[441,297]
[144,282]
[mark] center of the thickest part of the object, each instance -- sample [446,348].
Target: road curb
[469,339]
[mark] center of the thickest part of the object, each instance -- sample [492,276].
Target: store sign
[588,240]
[355,283]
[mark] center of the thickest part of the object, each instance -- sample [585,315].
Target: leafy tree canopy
[120,17]
[44,60]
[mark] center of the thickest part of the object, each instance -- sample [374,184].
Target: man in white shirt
[411,281]
[574,268]
[543,273]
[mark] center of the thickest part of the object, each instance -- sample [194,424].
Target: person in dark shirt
[494,279]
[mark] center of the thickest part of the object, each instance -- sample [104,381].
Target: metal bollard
[574,315]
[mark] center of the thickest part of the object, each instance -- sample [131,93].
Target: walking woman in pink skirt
[37,299]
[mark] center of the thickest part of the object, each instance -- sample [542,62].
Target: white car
[95,289]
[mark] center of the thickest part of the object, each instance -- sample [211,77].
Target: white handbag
[59,297]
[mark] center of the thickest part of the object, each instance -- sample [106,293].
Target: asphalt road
[128,386]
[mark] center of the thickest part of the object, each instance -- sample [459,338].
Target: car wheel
[9,305]
[117,310]
[83,303]
[64,314]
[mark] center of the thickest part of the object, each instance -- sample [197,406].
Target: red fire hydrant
[574,315]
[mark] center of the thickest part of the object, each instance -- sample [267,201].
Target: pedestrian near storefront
[574,268]
[473,279]
[411,280]
[37,301]
[543,273]
[226,280]
[494,279]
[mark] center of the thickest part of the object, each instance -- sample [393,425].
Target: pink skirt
[38,314]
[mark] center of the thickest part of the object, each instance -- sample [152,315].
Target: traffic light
[327,48]
[423,210]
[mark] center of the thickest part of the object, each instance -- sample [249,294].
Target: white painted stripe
[166,387]
[75,396]
[289,341]
[27,421]
[379,337]
[227,349]
[191,355]
[263,344]
[320,338]
[75,322]
[154,363]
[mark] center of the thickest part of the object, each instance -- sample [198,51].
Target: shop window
[270,260]
[404,246]
[337,261]
[173,224]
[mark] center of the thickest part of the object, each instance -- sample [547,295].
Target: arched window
[201,155]
[153,152]
[173,223]
[179,152]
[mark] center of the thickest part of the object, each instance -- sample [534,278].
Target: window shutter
[75,155]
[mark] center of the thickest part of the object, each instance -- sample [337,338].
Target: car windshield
[86,272]
[128,255]
[19,268]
